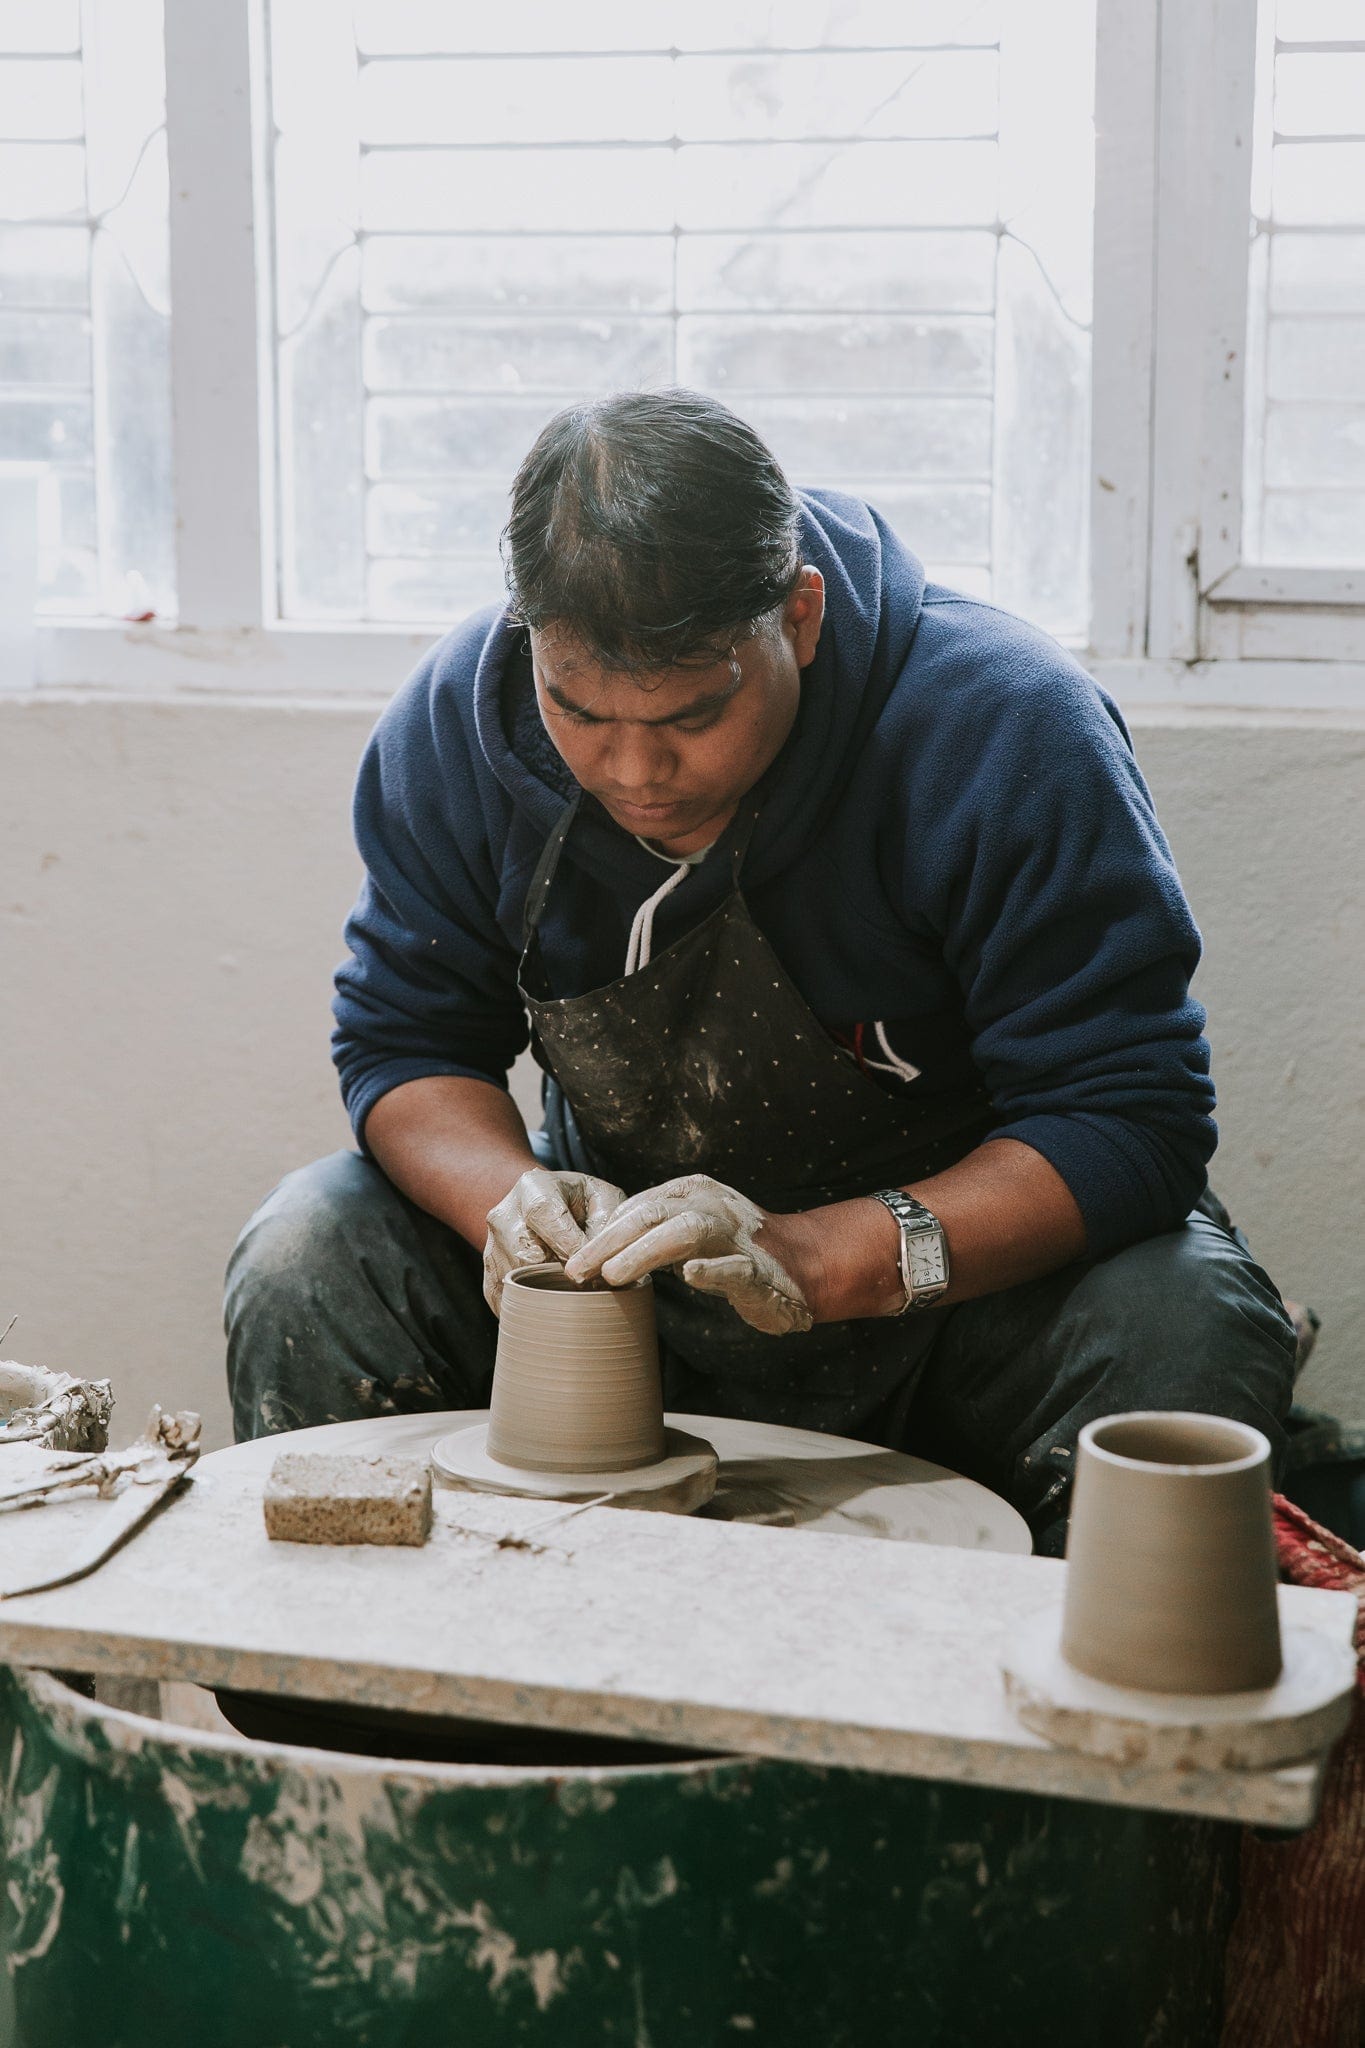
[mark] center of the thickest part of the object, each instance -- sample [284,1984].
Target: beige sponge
[317,1497]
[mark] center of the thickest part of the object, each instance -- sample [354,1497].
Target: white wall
[1268,826]
[173,877]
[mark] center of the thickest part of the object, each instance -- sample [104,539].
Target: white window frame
[1220,631]
[1178,618]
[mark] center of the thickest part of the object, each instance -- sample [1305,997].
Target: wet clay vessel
[1171,1578]
[1165,1651]
[577,1406]
[576,1385]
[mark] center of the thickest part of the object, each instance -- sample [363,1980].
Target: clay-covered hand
[547,1215]
[709,1233]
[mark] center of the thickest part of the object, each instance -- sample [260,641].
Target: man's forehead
[566,669]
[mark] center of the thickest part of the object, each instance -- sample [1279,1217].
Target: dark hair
[652,525]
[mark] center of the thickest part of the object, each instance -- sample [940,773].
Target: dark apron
[708,1060]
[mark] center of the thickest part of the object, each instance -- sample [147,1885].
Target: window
[1305,409]
[867,227]
[1260,393]
[1073,290]
[84,308]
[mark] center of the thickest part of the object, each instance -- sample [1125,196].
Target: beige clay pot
[576,1385]
[1171,1583]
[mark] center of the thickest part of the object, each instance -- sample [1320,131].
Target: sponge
[319,1497]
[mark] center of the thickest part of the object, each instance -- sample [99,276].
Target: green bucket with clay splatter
[173,1889]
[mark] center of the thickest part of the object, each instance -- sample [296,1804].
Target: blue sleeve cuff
[1130,1180]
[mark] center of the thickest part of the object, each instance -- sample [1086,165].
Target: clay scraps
[53,1408]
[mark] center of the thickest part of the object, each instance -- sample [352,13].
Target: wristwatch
[924,1250]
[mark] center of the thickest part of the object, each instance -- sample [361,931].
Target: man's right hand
[548,1215]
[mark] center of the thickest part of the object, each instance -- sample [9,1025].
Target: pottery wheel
[788,1478]
[1299,1716]
[682,1480]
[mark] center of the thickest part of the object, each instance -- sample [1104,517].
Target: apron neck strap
[744,833]
[545,867]
[548,863]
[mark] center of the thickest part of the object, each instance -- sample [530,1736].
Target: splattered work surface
[789,1478]
[767,1641]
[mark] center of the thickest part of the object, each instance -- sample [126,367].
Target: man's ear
[804,614]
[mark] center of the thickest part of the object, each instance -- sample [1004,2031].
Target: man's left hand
[720,1241]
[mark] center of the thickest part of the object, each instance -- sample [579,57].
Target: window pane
[839,24]
[834,184]
[527,273]
[1317,93]
[384,27]
[530,353]
[554,99]
[1305,423]
[824,352]
[41,97]
[84,299]
[41,184]
[795,98]
[507,190]
[43,266]
[39,26]
[865,224]
[840,271]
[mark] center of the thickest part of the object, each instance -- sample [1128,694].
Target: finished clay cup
[576,1385]
[1170,1583]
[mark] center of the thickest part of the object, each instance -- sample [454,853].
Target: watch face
[926,1260]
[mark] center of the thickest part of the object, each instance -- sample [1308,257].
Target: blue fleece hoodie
[956,844]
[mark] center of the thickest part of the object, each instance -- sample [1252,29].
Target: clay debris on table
[53,1409]
[168,1446]
[317,1497]
[135,1482]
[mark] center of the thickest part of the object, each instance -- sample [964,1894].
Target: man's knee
[315,1218]
[1193,1322]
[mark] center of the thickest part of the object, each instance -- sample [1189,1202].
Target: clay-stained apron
[709,1060]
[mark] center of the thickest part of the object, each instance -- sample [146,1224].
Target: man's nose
[643,758]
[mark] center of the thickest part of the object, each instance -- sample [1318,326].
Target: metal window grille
[1305,412]
[84,311]
[865,224]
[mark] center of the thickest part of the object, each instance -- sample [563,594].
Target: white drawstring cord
[893,1064]
[642,930]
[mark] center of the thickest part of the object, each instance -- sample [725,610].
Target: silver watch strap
[914,1220]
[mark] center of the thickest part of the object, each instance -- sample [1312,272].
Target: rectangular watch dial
[926,1260]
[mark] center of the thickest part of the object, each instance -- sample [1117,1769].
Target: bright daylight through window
[1305,425]
[407,232]
[865,224]
[84,302]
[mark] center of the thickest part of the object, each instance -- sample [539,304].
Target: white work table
[771,1641]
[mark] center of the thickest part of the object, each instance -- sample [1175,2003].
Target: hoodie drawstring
[642,930]
[893,1063]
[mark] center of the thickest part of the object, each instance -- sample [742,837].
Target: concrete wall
[173,877]
[1268,825]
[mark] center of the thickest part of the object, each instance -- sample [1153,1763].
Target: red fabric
[1296,1957]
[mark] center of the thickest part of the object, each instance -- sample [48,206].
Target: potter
[842,927]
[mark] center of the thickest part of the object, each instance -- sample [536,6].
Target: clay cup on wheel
[576,1385]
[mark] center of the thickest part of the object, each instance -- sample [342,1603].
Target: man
[855,959]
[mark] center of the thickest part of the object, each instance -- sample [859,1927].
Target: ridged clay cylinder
[1170,1584]
[576,1384]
